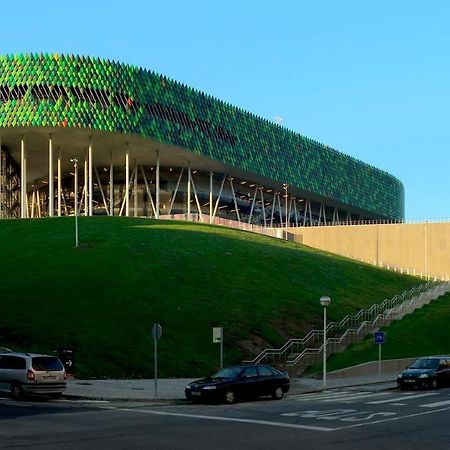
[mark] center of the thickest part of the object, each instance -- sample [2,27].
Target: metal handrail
[381,319]
[361,316]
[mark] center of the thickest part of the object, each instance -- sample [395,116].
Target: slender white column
[59,183]
[135,189]
[253,205]
[210,197]
[23,179]
[111,185]
[86,194]
[51,180]
[175,192]
[263,207]
[90,177]
[127,181]
[235,201]
[220,194]
[273,209]
[157,186]
[189,191]
[1,180]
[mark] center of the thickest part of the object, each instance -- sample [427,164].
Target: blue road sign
[379,337]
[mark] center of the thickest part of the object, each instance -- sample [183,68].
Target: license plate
[49,378]
[196,393]
[410,381]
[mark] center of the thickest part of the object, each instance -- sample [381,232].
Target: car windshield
[46,363]
[228,372]
[425,364]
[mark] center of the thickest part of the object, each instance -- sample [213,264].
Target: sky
[369,78]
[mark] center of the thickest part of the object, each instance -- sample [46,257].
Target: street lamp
[325,301]
[75,167]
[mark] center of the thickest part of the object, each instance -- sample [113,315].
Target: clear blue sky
[371,79]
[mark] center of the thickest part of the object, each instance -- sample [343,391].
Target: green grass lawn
[103,297]
[426,332]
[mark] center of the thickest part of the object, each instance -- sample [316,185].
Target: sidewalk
[170,390]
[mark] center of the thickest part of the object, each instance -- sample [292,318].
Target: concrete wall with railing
[421,249]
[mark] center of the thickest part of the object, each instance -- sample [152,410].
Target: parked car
[430,372]
[239,382]
[31,373]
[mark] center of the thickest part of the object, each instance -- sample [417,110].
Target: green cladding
[80,92]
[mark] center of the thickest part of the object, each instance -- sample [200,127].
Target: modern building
[150,146]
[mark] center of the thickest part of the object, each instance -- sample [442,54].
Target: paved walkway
[173,389]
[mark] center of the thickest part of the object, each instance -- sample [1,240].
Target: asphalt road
[351,418]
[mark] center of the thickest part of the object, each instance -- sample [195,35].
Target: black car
[239,382]
[430,372]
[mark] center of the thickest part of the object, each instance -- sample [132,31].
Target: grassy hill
[103,297]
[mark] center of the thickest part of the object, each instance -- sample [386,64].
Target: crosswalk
[368,397]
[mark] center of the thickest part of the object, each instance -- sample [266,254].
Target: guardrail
[354,326]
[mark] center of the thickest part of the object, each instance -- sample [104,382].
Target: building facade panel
[93,94]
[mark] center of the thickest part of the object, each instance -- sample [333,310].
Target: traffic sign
[379,337]
[156,332]
[217,335]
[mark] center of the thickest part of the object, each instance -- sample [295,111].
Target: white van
[31,373]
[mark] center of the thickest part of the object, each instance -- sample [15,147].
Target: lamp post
[325,301]
[75,166]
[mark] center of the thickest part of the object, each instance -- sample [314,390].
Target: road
[349,418]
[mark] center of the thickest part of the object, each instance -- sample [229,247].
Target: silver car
[31,373]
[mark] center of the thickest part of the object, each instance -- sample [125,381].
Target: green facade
[79,92]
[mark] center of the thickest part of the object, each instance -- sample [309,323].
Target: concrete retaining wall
[371,368]
[418,249]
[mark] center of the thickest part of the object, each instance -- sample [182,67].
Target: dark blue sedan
[239,382]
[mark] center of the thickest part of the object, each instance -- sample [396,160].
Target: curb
[182,401]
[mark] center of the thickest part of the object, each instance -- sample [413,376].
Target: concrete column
[189,191]
[86,189]
[127,181]
[210,197]
[135,189]
[157,185]
[90,177]
[1,180]
[23,179]
[59,183]
[111,186]
[51,180]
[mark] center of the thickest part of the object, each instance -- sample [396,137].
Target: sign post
[218,339]
[156,335]
[379,338]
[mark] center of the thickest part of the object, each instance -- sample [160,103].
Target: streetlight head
[325,301]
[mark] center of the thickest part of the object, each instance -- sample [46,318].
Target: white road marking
[393,418]
[337,396]
[398,404]
[353,397]
[227,419]
[319,396]
[391,400]
[436,404]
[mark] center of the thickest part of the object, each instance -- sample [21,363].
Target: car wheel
[230,397]
[16,391]
[278,393]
